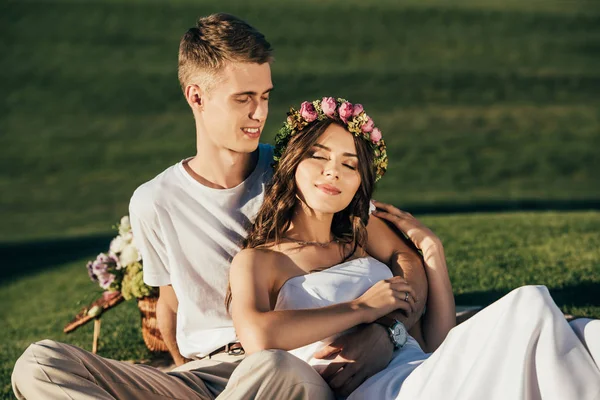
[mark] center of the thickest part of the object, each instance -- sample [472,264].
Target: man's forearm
[441,316]
[409,265]
[167,324]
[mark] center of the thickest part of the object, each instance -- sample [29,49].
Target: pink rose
[345,111]
[368,126]
[328,105]
[375,135]
[358,108]
[308,112]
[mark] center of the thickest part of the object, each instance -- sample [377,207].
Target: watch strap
[386,321]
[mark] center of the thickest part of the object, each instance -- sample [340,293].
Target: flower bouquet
[121,269]
[120,273]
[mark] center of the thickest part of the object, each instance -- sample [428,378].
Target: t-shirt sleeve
[152,247]
[371,207]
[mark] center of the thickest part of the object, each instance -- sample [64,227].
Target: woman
[304,277]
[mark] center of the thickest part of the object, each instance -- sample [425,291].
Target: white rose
[124,225]
[127,237]
[129,255]
[117,245]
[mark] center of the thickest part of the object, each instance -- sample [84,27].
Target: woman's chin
[322,208]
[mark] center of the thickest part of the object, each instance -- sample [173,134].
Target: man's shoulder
[150,194]
[268,148]
[265,164]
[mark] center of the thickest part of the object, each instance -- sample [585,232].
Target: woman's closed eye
[319,157]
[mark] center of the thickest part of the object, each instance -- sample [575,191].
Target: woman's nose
[331,170]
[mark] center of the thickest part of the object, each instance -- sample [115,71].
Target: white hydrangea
[124,226]
[117,245]
[129,254]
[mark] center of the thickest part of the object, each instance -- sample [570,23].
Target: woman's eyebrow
[328,149]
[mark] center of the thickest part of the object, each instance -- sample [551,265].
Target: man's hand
[422,237]
[358,356]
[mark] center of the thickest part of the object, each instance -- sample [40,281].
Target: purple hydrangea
[91,273]
[100,269]
[105,280]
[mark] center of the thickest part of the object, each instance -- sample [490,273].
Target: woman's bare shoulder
[264,258]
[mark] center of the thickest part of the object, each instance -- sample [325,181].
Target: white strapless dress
[520,347]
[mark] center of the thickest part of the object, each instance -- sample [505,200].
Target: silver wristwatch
[396,331]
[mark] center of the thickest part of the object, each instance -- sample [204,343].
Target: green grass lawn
[485,105]
[480,102]
[488,255]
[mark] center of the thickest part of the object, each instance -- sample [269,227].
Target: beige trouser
[52,370]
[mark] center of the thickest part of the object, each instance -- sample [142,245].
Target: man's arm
[389,247]
[166,315]
[361,354]
[441,312]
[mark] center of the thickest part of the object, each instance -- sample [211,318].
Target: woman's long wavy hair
[275,215]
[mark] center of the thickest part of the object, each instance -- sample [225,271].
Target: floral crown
[353,117]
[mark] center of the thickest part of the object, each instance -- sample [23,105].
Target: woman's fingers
[403,288]
[396,279]
[389,208]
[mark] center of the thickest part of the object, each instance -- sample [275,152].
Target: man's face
[234,111]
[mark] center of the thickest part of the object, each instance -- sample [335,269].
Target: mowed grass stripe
[451,155]
[488,255]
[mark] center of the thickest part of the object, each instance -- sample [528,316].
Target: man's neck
[308,225]
[220,168]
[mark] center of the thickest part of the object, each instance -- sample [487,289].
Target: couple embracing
[279,281]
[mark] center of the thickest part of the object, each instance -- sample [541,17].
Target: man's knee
[283,369]
[39,360]
[282,361]
[29,360]
[27,369]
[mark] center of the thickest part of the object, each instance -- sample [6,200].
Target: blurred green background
[491,112]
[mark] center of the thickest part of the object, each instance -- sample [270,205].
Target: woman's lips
[329,189]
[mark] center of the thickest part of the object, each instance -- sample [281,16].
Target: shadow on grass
[20,259]
[582,294]
[505,206]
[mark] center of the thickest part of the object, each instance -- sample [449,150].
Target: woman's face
[328,178]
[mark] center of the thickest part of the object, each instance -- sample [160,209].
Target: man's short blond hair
[215,40]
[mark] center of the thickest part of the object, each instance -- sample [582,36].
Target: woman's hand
[422,237]
[386,296]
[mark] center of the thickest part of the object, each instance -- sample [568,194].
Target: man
[189,222]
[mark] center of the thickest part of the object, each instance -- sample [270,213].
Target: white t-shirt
[188,234]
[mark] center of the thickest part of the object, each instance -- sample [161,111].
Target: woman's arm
[252,276]
[441,312]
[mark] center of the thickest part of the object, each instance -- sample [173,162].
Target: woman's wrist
[361,311]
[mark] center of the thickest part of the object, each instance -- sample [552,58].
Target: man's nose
[260,111]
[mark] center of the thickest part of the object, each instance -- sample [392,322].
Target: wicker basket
[150,331]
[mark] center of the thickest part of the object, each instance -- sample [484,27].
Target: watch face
[399,334]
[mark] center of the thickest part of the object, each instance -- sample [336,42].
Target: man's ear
[194,96]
